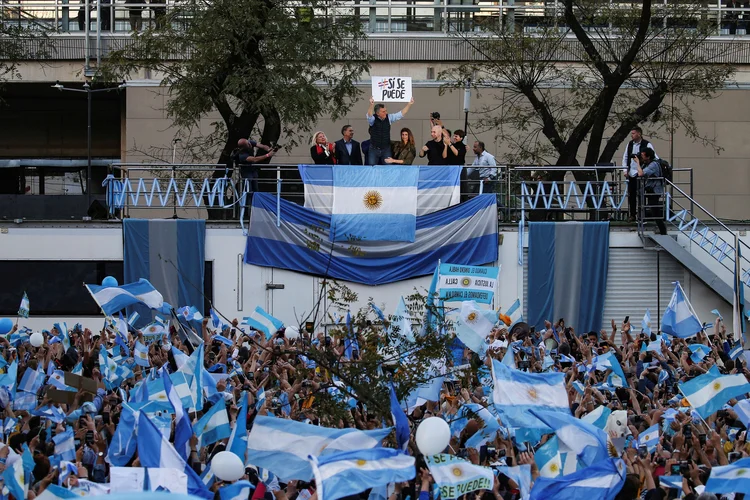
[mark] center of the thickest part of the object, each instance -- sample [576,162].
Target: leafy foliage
[260,63]
[19,43]
[587,78]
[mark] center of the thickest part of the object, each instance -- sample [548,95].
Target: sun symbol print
[372,200]
[471,317]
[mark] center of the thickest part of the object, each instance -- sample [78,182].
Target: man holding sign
[380,130]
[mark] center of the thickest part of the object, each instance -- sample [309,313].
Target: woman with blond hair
[404,151]
[321,151]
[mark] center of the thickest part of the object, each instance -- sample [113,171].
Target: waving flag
[65,446]
[350,472]
[456,477]
[183,430]
[14,477]
[516,391]
[239,490]
[708,393]
[215,319]
[402,321]
[214,425]
[699,351]
[679,319]
[62,328]
[189,313]
[598,417]
[650,438]
[467,283]
[547,458]
[262,321]
[283,446]
[32,381]
[588,443]
[521,475]
[112,299]
[140,354]
[601,481]
[238,439]
[24,309]
[733,478]
[515,313]
[155,451]
[473,325]
[646,323]
[400,421]
[123,445]
[374,203]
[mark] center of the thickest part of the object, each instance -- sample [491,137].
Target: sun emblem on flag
[152,329]
[373,200]
[554,468]
[717,385]
[457,472]
[465,281]
[740,472]
[612,450]
[532,393]
[472,317]
[361,463]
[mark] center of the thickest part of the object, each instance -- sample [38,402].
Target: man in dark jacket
[347,149]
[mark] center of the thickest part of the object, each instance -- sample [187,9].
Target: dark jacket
[319,156]
[342,155]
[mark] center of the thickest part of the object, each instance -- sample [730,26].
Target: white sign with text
[391,88]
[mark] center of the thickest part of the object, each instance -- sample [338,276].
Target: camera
[634,155]
[643,451]
[523,365]
[277,147]
[435,115]
[275,404]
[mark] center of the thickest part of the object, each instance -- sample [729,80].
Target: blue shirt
[391,118]
[653,184]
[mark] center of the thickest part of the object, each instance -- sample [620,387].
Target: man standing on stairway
[630,164]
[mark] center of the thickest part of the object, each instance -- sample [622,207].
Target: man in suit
[348,151]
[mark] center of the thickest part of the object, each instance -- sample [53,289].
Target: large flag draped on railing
[465,234]
[568,264]
[437,187]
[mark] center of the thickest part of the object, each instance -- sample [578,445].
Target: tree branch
[585,40]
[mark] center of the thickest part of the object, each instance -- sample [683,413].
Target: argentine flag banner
[374,203]
[462,283]
[457,477]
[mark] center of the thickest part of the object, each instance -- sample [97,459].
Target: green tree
[21,42]
[573,86]
[262,64]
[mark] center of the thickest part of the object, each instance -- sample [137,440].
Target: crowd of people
[626,381]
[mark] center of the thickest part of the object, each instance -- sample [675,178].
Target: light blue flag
[473,325]
[279,445]
[679,320]
[646,322]
[650,438]
[515,392]
[588,443]
[663,376]
[64,335]
[699,351]
[155,451]
[140,354]
[654,346]
[189,313]
[548,459]
[515,313]
[400,421]
[32,380]
[123,445]
[608,361]
[238,439]
[467,283]
[736,351]
[263,322]
[116,298]
[192,371]
[402,321]
[598,417]
[432,305]
[51,413]
[24,401]
[66,470]
[14,478]
[510,357]
[374,203]
[742,409]
[260,398]
[213,425]
[55,492]
[717,313]
[183,429]
[215,319]
[521,475]
[239,490]
[708,393]
[489,430]
[23,310]
[456,477]
[671,482]
[350,472]
[601,481]
[733,478]
[65,446]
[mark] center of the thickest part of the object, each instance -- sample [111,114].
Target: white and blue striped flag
[55,492]
[189,313]
[350,472]
[116,298]
[671,482]
[548,459]
[32,380]
[473,325]
[646,323]
[601,481]
[733,478]
[25,401]
[663,376]
[520,474]
[14,477]
[24,309]
[516,391]
[456,477]
[588,443]
[283,446]
[260,398]
[66,470]
[65,447]
[62,328]
[598,417]
[214,318]
[262,321]
[183,429]
[400,421]
[213,425]
[736,351]
[699,351]
[708,393]
[239,490]
[515,313]
[374,203]
[650,438]
[679,319]
[237,443]
[155,451]
[140,354]
[742,409]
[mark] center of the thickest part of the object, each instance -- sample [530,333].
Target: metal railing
[376,16]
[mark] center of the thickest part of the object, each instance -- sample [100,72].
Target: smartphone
[105,418]
[702,439]
[89,437]
[643,451]
[675,470]
[734,456]
[627,318]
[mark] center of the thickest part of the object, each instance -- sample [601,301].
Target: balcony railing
[103,17]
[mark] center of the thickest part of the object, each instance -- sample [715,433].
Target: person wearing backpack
[629,164]
[653,184]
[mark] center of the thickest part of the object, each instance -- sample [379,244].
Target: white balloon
[36,339]
[291,332]
[227,466]
[433,436]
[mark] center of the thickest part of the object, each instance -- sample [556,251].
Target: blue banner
[459,283]
[465,234]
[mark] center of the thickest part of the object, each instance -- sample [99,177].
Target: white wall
[225,247]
